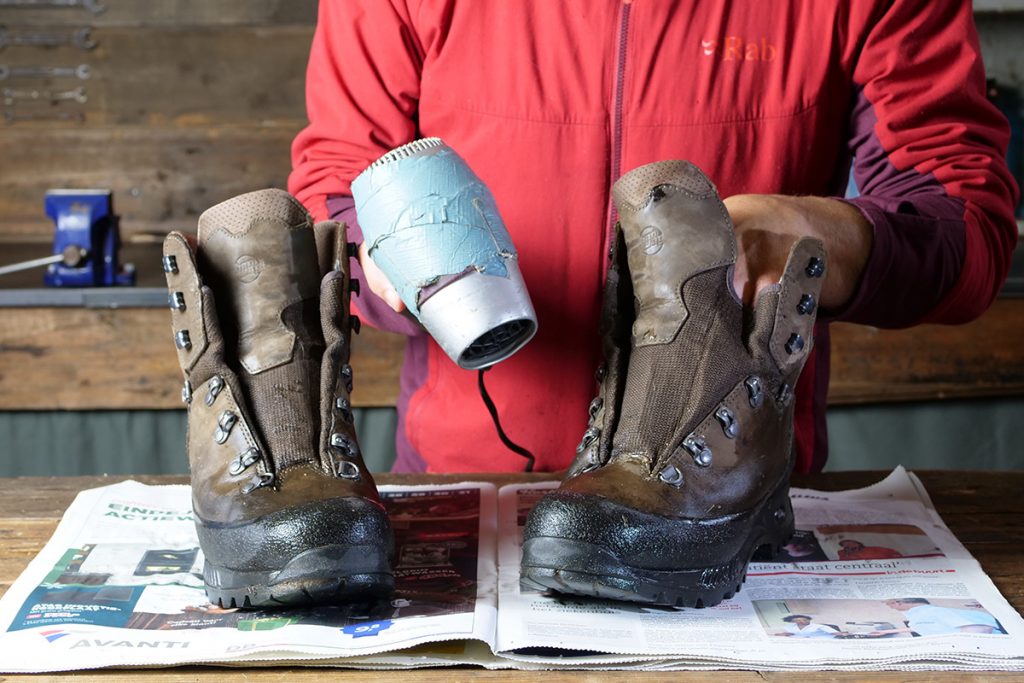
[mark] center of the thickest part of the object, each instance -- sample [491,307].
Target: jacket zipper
[616,152]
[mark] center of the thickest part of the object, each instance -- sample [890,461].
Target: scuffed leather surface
[788,320]
[186,281]
[336,323]
[649,541]
[255,273]
[622,504]
[216,494]
[271,540]
[616,327]
[335,510]
[670,237]
[742,469]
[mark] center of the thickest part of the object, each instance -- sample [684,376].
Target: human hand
[767,226]
[378,282]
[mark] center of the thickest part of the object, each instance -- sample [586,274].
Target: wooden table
[984,509]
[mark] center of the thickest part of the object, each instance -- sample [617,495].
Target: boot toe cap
[640,539]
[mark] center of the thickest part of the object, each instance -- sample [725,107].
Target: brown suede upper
[705,417]
[270,421]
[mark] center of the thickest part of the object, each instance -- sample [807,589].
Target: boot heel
[778,524]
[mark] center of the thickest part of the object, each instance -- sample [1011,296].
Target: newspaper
[872,580]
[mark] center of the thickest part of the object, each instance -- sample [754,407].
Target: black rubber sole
[578,567]
[326,575]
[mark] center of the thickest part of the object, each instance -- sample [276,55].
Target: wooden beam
[89,359]
[928,362]
[178,76]
[162,177]
[173,13]
[77,359]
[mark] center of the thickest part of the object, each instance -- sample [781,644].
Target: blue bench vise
[87,239]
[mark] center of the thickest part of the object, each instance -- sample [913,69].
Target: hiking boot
[285,508]
[686,475]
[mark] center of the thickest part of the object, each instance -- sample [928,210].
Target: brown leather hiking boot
[286,511]
[686,474]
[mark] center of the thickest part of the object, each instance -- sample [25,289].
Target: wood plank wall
[189,102]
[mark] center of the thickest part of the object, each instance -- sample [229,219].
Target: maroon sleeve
[362,96]
[368,306]
[929,159]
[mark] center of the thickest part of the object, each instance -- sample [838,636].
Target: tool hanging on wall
[80,38]
[86,243]
[12,96]
[89,5]
[82,72]
[54,117]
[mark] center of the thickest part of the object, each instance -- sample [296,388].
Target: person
[926,619]
[803,626]
[852,549]
[551,102]
[802,547]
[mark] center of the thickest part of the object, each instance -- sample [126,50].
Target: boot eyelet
[591,463]
[698,449]
[347,470]
[594,407]
[588,437]
[186,392]
[258,482]
[346,376]
[795,344]
[602,372]
[244,461]
[728,421]
[755,391]
[815,267]
[213,389]
[344,443]
[806,304]
[225,424]
[183,340]
[171,264]
[354,287]
[176,301]
[355,324]
[671,475]
[343,406]
[784,396]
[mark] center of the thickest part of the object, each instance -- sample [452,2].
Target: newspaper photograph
[120,583]
[874,564]
[871,580]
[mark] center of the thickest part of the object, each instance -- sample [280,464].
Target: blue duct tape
[428,217]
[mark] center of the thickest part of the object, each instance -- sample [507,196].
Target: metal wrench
[77,95]
[15,116]
[82,72]
[90,5]
[79,38]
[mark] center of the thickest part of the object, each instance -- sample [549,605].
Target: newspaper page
[120,584]
[872,579]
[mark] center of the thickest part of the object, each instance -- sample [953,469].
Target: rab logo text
[737,49]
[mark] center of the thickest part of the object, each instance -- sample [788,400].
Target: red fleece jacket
[551,101]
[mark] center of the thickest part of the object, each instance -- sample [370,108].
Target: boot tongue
[257,252]
[679,243]
[675,227]
[259,256]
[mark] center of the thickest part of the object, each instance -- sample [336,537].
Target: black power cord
[515,448]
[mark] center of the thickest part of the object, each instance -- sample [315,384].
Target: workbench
[984,509]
